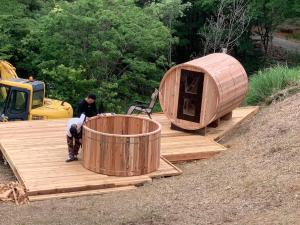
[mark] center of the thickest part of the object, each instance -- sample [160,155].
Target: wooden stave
[224,102]
[98,161]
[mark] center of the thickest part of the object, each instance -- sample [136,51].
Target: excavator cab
[15,105]
[15,101]
[24,99]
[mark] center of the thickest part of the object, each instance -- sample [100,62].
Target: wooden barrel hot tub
[199,92]
[121,145]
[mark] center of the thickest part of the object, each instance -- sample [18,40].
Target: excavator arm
[7,71]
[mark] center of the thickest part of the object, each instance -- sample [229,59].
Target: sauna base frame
[203,131]
[198,131]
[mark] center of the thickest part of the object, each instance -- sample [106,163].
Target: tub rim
[158,130]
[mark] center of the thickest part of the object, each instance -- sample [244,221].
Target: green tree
[226,26]
[267,15]
[169,11]
[118,47]
[12,27]
[17,19]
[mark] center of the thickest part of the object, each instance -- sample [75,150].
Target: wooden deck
[36,152]
[178,146]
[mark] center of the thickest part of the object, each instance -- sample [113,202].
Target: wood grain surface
[121,145]
[225,86]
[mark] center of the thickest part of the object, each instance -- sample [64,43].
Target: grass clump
[295,36]
[269,82]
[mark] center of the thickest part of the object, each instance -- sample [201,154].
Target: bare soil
[257,181]
[6,175]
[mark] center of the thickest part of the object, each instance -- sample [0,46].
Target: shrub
[269,81]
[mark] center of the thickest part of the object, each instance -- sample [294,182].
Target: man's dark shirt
[88,109]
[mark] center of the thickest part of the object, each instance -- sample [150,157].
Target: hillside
[257,181]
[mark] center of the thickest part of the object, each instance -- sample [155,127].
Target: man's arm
[81,119]
[80,123]
[80,108]
[94,109]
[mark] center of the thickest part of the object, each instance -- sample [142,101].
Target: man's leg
[70,148]
[76,147]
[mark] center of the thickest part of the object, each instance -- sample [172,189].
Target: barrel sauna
[196,93]
[121,145]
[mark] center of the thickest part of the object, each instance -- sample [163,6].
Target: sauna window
[189,107]
[190,95]
[191,84]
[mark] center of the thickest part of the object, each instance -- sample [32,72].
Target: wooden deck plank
[238,116]
[79,193]
[36,152]
[41,190]
[191,147]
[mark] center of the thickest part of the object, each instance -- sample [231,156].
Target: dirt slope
[256,182]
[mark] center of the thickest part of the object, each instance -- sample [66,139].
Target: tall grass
[269,81]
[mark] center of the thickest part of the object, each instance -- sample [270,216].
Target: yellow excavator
[24,99]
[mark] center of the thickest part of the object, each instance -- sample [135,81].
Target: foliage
[119,49]
[251,57]
[264,13]
[224,29]
[15,23]
[116,47]
[195,35]
[187,31]
[269,81]
[61,76]
[295,36]
[169,11]
[267,15]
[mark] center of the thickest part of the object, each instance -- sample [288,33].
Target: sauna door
[190,95]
